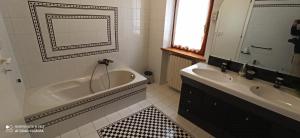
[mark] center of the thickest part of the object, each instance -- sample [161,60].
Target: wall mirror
[262,33]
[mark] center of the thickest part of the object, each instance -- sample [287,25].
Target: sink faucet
[105,61]
[224,66]
[278,82]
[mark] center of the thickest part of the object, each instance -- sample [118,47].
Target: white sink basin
[213,75]
[276,96]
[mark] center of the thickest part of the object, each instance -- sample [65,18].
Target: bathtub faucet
[105,61]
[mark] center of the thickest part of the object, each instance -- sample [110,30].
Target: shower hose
[93,74]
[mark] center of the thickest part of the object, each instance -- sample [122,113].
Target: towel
[295,70]
[297,47]
[295,30]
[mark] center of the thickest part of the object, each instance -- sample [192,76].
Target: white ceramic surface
[213,75]
[283,101]
[52,95]
[277,96]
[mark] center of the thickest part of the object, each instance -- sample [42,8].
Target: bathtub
[63,106]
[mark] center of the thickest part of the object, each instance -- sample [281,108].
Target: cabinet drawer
[191,99]
[185,99]
[244,124]
[188,91]
[224,115]
[213,111]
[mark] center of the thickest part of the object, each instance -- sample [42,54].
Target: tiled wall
[129,38]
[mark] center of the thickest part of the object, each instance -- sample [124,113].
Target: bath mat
[149,122]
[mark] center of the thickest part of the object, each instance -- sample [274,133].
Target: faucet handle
[105,61]
[110,61]
[224,63]
[279,79]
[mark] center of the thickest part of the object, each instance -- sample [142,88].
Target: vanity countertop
[240,87]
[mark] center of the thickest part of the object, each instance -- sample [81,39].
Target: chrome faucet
[105,61]
[225,65]
[278,82]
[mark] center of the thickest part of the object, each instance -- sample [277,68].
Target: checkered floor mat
[147,123]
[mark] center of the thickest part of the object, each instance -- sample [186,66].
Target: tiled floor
[162,97]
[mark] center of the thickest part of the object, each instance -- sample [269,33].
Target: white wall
[11,93]
[133,40]
[5,45]
[156,33]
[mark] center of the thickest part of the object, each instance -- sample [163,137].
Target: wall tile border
[50,25]
[91,108]
[65,107]
[275,5]
[35,19]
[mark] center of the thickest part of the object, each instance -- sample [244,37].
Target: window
[192,19]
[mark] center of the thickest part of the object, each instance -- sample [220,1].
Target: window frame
[206,30]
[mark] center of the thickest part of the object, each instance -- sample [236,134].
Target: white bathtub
[56,105]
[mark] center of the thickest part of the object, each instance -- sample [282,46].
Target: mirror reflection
[261,33]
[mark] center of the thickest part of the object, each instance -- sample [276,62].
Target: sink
[276,96]
[215,75]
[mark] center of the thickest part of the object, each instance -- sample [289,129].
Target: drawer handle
[215,104]
[189,101]
[247,118]
[187,110]
[190,92]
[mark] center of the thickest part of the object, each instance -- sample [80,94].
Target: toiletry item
[295,65]
[242,71]
[245,51]
[250,74]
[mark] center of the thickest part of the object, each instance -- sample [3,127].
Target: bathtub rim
[137,81]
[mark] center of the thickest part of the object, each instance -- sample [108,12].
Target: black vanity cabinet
[224,115]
